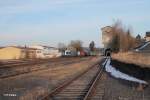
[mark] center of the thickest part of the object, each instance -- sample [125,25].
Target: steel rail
[33,62]
[95,82]
[40,69]
[65,84]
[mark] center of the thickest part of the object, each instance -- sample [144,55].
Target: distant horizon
[50,22]
[40,45]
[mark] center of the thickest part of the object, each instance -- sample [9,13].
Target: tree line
[76,44]
[122,40]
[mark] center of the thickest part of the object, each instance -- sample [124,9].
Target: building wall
[28,53]
[107,36]
[11,53]
[51,53]
[39,54]
[31,54]
[147,38]
[17,53]
[46,51]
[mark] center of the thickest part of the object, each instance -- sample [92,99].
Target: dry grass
[56,76]
[135,58]
[38,91]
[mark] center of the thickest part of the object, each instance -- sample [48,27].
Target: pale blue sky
[52,21]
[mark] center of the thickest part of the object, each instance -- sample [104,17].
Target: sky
[49,22]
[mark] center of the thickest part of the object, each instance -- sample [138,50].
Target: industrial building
[106,36]
[16,52]
[47,51]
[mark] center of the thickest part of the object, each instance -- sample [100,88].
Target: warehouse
[47,51]
[16,52]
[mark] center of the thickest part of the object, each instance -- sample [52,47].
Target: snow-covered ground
[117,74]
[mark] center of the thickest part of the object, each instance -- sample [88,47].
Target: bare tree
[77,44]
[62,47]
[122,38]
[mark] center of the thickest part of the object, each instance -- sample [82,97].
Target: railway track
[79,88]
[100,89]
[19,63]
[22,69]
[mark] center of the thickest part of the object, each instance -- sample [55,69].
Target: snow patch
[116,73]
[104,62]
[137,50]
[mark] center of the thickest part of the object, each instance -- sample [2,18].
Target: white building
[47,52]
